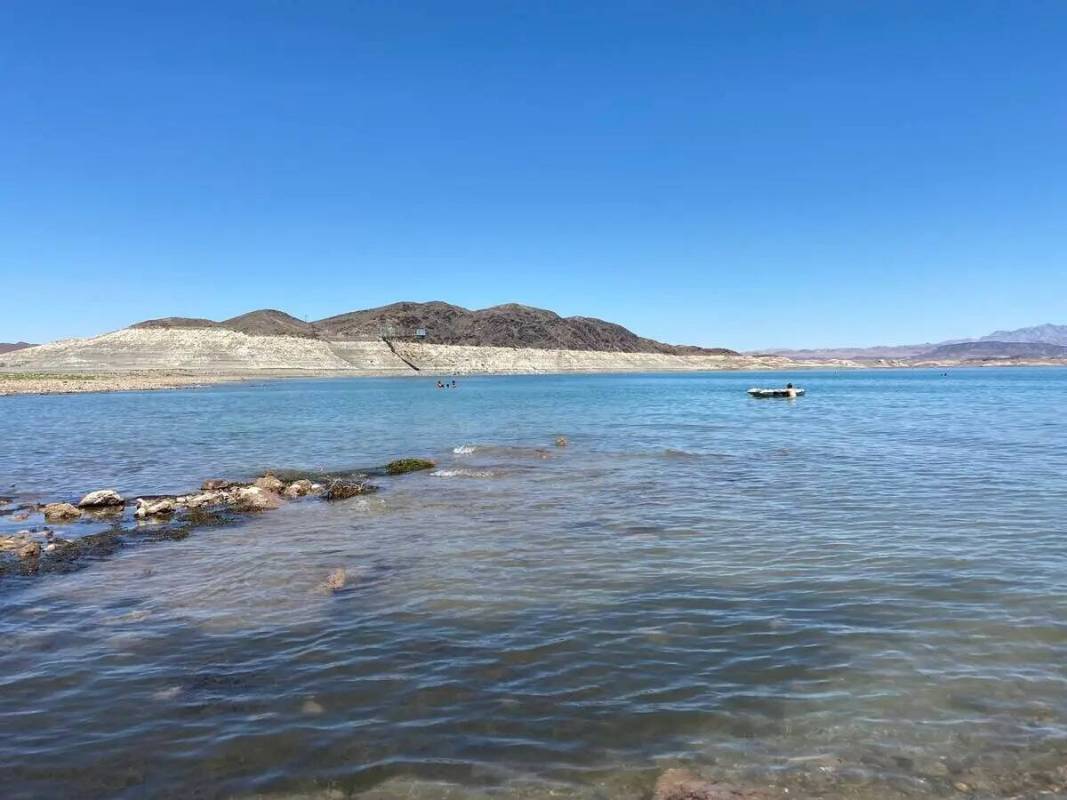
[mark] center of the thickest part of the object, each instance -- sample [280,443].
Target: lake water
[860,593]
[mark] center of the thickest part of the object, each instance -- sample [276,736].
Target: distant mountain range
[1039,341]
[1038,334]
[8,347]
[511,325]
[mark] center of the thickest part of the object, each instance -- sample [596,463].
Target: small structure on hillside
[397,332]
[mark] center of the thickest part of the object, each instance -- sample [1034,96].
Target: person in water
[790,392]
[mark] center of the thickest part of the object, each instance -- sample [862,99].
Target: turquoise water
[859,593]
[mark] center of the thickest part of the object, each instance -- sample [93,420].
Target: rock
[681,784]
[102,498]
[158,507]
[270,483]
[342,490]
[20,545]
[214,484]
[21,516]
[312,707]
[300,488]
[57,512]
[960,786]
[203,499]
[405,465]
[561,441]
[255,498]
[336,580]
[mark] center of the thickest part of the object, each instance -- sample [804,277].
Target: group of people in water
[446,385]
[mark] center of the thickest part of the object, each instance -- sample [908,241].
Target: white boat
[754,392]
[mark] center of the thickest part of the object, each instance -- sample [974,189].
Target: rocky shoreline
[18,383]
[38,550]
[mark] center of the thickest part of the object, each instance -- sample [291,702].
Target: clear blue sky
[744,174]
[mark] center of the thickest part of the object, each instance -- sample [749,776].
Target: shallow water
[859,593]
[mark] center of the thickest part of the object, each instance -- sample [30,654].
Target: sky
[742,174]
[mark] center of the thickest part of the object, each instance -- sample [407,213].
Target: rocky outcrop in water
[218,502]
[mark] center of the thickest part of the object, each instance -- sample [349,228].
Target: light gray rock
[203,499]
[158,507]
[102,498]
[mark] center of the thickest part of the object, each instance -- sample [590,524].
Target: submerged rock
[336,580]
[157,507]
[342,490]
[405,465]
[270,483]
[20,545]
[102,498]
[561,441]
[57,512]
[681,784]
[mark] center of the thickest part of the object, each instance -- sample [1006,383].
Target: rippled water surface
[858,593]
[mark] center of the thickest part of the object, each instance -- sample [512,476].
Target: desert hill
[510,325]
[11,347]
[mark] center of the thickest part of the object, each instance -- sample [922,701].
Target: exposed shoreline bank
[144,359]
[13,383]
[38,383]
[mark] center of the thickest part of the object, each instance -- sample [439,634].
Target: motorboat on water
[787,392]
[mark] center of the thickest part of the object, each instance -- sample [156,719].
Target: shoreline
[46,383]
[39,382]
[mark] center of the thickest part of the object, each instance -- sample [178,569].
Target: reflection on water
[857,594]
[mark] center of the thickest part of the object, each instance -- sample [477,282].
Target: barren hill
[511,325]
[10,347]
[175,323]
[270,322]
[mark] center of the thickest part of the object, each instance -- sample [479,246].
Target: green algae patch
[405,465]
